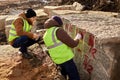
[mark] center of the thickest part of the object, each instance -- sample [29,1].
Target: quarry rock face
[97,53]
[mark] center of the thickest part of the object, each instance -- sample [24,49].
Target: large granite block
[40,13]
[2,22]
[99,72]
[41,18]
[7,29]
[85,52]
[48,9]
[10,19]
[63,12]
[110,14]
[77,6]
[97,55]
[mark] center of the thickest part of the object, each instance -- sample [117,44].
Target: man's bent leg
[23,42]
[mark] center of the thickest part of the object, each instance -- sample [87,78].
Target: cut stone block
[40,12]
[98,53]
[118,15]
[109,14]
[2,22]
[10,19]
[41,15]
[48,9]
[41,18]
[77,6]
[99,72]
[63,12]
[7,29]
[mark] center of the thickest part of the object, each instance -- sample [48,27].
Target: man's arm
[65,38]
[19,28]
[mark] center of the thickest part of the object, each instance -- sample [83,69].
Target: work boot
[26,55]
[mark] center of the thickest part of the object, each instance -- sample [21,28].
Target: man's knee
[24,38]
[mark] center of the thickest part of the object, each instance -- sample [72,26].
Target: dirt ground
[14,67]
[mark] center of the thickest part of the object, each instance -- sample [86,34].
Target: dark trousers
[23,42]
[69,68]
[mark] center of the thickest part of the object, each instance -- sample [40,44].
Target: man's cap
[58,20]
[30,13]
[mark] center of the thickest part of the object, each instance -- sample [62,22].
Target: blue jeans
[23,42]
[69,68]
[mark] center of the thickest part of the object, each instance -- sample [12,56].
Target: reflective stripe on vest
[12,32]
[54,41]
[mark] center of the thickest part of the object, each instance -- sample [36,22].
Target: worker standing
[59,45]
[20,34]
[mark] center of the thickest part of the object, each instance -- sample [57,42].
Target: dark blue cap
[58,20]
[30,13]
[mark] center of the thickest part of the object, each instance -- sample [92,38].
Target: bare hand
[35,36]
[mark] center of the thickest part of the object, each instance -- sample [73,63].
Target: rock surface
[96,54]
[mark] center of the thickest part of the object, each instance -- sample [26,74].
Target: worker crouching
[20,35]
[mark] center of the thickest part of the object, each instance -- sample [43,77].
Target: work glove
[78,36]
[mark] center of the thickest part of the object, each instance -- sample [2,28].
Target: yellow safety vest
[12,33]
[59,52]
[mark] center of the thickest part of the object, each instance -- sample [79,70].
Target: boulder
[55,2]
[2,30]
[97,55]
[7,29]
[77,6]
[110,14]
[41,15]
[118,16]
[41,18]
[2,22]
[40,12]
[10,19]
[48,9]
[63,12]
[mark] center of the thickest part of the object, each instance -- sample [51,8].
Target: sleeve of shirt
[65,38]
[19,28]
